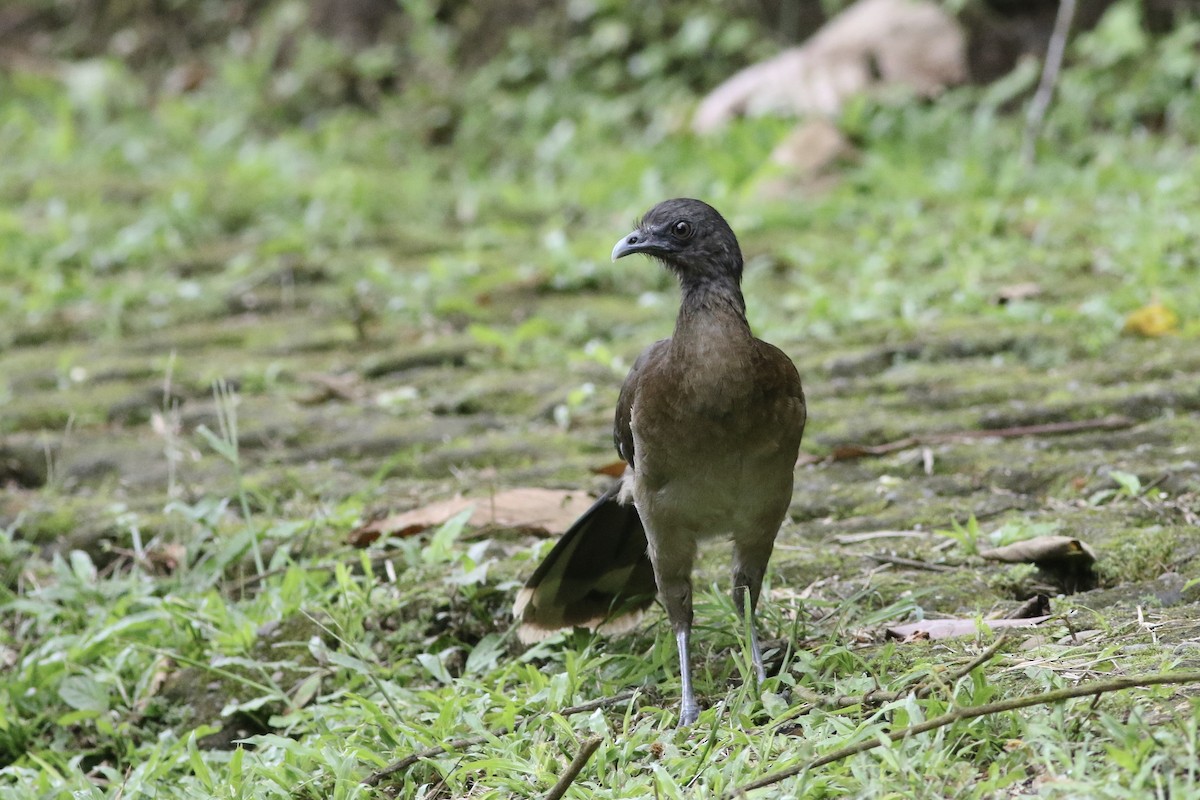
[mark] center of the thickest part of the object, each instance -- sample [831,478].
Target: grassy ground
[388,321]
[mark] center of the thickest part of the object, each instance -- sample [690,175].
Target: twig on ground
[877,697]
[971,712]
[851,451]
[577,765]
[912,563]
[435,790]
[970,667]
[855,538]
[1036,606]
[1050,71]
[470,741]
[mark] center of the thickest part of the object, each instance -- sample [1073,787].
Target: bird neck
[711,305]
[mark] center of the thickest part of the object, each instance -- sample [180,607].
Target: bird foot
[689,712]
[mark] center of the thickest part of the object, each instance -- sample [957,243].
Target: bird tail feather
[597,576]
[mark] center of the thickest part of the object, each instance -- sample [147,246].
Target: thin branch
[1036,606]
[434,791]
[856,538]
[877,697]
[971,712]
[1050,71]
[471,741]
[568,777]
[971,666]
[911,563]
[847,452]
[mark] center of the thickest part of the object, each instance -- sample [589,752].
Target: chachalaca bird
[709,422]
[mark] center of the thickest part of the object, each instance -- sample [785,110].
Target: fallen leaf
[1033,642]
[1043,549]
[614,470]
[363,536]
[811,147]
[806,159]
[872,44]
[933,629]
[1078,637]
[544,511]
[167,557]
[1152,321]
[1017,292]
[162,671]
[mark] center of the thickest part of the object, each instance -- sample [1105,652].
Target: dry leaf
[873,43]
[1152,320]
[1043,549]
[1078,637]
[1017,292]
[159,677]
[811,147]
[167,557]
[614,470]
[932,629]
[363,536]
[545,511]
[1033,642]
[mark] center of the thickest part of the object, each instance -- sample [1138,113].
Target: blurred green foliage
[432,186]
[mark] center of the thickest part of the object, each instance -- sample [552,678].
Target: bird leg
[673,574]
[676,594]
[689,710]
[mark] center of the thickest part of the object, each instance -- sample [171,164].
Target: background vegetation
[264,279]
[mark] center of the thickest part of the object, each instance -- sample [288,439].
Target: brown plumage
[710,422]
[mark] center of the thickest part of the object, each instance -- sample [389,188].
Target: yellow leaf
[1152,320]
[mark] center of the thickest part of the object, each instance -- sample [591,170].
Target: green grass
[209,634]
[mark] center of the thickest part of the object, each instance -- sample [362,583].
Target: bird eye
[681,230]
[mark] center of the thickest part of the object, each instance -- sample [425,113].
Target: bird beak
[626,244]
[636,242]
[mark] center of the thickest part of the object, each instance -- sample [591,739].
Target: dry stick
[971,666]
[911,563]
[1045,91]
[470,741]
[568,777]
[432,792]
[856,538]
[877,697]
[970,712]
[851,451]
[1036,606]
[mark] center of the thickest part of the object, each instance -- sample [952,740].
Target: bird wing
[780,379]
[622,433]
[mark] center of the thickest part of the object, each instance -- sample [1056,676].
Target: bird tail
[598,576]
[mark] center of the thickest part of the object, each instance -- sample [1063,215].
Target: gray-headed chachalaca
[709,422]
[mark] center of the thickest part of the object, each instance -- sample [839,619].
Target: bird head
[690,238]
